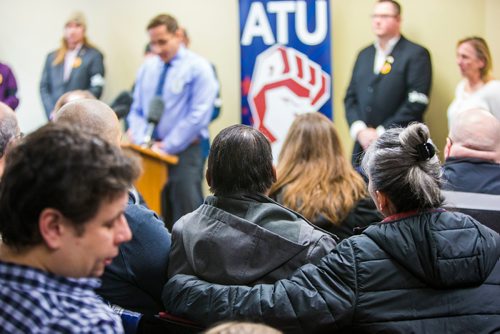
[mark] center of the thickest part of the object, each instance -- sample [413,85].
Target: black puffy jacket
[433,272]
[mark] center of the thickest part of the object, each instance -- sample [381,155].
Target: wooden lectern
[154,174]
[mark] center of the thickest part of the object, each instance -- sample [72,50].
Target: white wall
[30,29]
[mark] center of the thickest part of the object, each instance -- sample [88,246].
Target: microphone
[121,104]
[156,108]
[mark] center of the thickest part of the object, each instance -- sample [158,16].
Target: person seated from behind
[236,327]
[239,235]
[315,179]
[69,97]
[136,277]
[472,153]
[62,200]
[421,270]
[9,132]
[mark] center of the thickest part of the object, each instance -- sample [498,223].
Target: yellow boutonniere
[1,79]
[386,68]
[77,62]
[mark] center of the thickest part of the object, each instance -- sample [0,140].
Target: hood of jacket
[253,225]
[443,249]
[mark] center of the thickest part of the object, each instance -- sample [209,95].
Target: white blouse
[487,97]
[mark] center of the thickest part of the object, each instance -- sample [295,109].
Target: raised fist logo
[285,83]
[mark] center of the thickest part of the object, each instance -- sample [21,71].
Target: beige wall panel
[32,28]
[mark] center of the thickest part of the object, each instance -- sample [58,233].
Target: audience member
[9,131]
[471,172]
[77,64]
[390,82]
[8,87]
[317,181]
[477,89]
[69,97]
[136,277]
[421,270]
[235,327]
[182,86]
[253,239]
[62,199]
[472,153]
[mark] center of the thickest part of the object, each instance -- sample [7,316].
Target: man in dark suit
[75,65]
[390,82]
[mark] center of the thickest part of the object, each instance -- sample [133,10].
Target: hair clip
[425,151]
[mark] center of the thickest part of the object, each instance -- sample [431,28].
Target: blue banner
[285,63]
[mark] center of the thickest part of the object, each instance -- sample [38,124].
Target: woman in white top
[477,89]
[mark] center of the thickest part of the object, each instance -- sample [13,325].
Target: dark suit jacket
[89,75]
[393,99]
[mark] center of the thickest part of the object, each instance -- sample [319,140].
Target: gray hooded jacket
[244,239]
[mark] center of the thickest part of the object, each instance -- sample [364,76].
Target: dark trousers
[182,194]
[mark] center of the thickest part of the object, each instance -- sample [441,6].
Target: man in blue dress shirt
[187,85]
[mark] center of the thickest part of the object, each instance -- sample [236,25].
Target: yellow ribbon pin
[77,62]
[386,68]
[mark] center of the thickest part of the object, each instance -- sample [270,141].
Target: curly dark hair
[64,168]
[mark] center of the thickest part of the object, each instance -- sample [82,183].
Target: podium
[154,174]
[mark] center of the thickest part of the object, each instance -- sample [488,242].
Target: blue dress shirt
[189,93]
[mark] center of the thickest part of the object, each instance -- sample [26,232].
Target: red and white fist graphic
[285,83]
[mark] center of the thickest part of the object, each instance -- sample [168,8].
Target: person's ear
[382,202]
[447,147]
[51,227]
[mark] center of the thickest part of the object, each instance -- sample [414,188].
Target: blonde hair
[482,53]
[61,52]
[314,177]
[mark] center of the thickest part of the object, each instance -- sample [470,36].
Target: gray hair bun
[415,140]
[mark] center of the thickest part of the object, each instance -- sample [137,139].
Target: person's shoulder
[195,60]
[412,46]
[493,84]
[140,217]
[52,54]
[367,50]
[91,51]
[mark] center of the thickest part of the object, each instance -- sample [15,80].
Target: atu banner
[285,63]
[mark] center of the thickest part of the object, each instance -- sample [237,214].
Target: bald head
[475,133]
[9,128]
[93,115]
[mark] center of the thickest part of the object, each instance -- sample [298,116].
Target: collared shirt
[189,93]
[69,61]
[33,301]
[381,54]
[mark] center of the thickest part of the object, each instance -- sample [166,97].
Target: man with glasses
[390,82]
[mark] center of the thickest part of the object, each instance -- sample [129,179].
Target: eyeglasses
[383,16]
